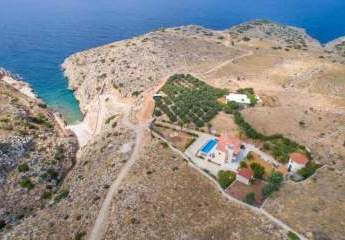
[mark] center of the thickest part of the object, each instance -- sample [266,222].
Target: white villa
[237,97]
[227,152]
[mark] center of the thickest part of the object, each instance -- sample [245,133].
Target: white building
[237,97]
[297,161]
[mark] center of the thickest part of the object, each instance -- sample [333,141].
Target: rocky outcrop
[337,46]
[285,36]
[11,149]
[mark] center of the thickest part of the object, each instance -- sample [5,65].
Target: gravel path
[101,224]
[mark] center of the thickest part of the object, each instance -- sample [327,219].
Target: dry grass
[179,139]
[163,198]
[240,190]
[223,123]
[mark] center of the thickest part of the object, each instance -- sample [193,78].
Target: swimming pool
[209,146]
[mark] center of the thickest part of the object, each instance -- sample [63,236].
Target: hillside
[35,154]
[128,184]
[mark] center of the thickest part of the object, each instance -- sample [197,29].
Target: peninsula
[189,133]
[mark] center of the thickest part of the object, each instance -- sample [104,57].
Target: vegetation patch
[292,236]
[279,146]
[62,195]
[27,183]
[186,99]
[250,198]
[225,178]
[24,167]
[309,169]
[80,235]
[273,184]
[258,170]
[41,119]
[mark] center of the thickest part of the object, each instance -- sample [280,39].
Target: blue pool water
[36,35]
[209,146]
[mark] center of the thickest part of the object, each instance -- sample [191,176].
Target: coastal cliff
[35,153]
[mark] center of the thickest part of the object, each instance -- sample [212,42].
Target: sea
[37,35]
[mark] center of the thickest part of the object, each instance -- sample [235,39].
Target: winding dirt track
[101,224]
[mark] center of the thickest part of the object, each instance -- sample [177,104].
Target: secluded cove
[36,38]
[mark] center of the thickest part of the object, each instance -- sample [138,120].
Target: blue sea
[37,35]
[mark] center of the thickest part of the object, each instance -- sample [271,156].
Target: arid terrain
[35,155]
[127,184]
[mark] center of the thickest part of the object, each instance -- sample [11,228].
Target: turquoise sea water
[36,35]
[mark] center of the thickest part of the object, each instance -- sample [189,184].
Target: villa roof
[246,173]
[225,141]
[299,158]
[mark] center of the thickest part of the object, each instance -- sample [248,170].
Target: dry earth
[163,198]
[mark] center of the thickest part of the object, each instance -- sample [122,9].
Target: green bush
[258,170]
[41,119]
[62,195]
[250,156]
[157,113]
[243,164]
[26,183]
[24,167]
[268,189]
[276,178]
[50,174]
[292,236]
[2,224]
[79,235]
[308,170]
[250,198]
[136,93]
[273,185]
[47,195]
[231,107]
[59,152]
[225,178]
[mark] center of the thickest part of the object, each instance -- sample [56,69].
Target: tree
[250,156]
[243,164]
[258,170]
[250,198]
[276,178]
[24,167]
[157,113]
[273,185]
[26,183]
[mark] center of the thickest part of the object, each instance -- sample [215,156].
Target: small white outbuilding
[237,97]
[297,161]
[244,175]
